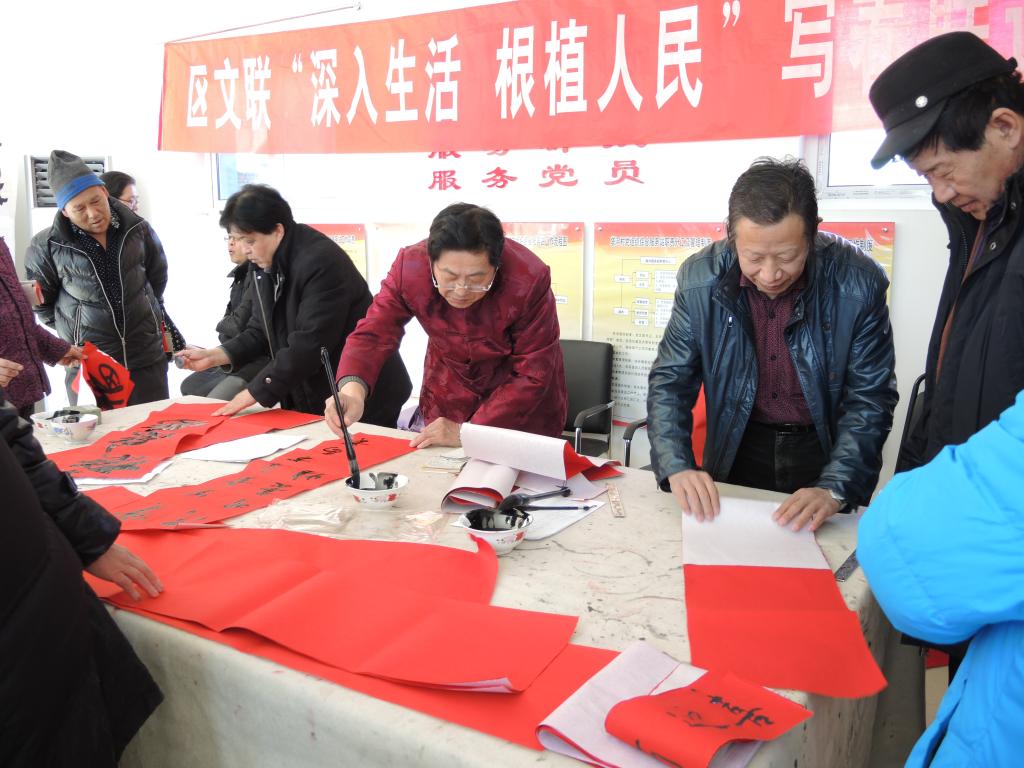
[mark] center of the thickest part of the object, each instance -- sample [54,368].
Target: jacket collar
[63,229]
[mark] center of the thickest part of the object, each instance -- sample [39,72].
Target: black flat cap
[910,93]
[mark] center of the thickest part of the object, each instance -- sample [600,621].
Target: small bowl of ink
[502,529]
[73,428]
[377,490]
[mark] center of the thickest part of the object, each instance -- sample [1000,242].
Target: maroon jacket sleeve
[377,335]
[51,346]
[533,396]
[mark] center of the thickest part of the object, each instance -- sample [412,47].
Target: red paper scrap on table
[389,609]
[131,453]
[109,381]
[687,726]
[255,486]
[779,627]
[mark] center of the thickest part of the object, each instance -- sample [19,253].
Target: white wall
[100,94]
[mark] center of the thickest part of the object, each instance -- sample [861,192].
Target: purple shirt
[779,400]
[22,339]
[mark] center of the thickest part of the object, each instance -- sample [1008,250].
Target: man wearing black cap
[102,276]
[953,109]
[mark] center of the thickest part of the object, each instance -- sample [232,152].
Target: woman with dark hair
[306,294]
[121,187]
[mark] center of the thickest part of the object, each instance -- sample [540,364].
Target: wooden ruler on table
[615,501]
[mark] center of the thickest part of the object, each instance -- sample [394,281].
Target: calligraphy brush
[350,450]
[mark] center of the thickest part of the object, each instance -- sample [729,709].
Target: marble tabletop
[621,576]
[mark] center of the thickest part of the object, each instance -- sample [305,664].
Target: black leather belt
[786,429]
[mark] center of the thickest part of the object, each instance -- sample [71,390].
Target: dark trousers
[150,384]
[781,458]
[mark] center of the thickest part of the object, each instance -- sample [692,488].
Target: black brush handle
[350,449]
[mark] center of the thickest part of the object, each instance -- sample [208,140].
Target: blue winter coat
[841,344]
[943,550]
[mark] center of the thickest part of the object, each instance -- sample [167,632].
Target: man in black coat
[306,294]
[72,691]
[953,109]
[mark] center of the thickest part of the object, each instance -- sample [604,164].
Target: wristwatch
[844,505]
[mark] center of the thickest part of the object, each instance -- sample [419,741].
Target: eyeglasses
[131,202]
[469,287]
[240,240]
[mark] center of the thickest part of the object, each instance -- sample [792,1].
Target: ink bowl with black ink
[503,529]
[377,490]
[73,428]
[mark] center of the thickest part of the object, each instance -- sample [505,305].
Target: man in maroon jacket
[493,355]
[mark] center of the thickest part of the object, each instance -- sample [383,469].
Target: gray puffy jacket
[75,304]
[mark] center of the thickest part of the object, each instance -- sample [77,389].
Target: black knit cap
[910,93]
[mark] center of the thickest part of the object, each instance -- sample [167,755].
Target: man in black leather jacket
[788,331]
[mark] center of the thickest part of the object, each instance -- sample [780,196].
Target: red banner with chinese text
[515,75]
[536,74]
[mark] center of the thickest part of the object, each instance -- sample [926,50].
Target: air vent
[42,195]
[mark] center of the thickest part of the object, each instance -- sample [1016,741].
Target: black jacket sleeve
[88,527]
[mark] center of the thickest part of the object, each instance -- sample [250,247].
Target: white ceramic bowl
[74,429]
[368,494]
[503,531]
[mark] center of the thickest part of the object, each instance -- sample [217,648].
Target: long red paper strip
[390,609]
[780,627]
[109,381]
[513,718]
[255,486]
[132,452]
[688,725]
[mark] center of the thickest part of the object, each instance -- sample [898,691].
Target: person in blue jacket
[943,550]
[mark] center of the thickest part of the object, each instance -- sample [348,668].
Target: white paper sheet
[245,449]
[548,522]
[99,480]
[639,670]
[580,488]
[532,453]
[745,534]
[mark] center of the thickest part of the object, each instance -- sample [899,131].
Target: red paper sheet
[386,616]
[513,718]
[109,381]
[688,725]
[255,486]
[780,627]
[111,496]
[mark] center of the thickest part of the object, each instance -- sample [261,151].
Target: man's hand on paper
[239,402]
[121,566]
[696,493]
[199,359]
[808,506]
[353,401]
[440,431]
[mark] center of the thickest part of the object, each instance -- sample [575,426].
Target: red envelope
[109,381]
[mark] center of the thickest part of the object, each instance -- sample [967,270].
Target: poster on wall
[351,238]
[875,238]
[635,268]
[560,246]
